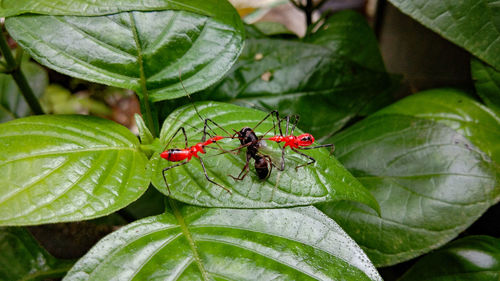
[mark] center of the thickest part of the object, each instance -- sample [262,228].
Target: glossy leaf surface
[22,258]
[326,84]
[142,51]
[67,168]
[469,23]
[470,258]
[456,110]
[326,180]
[487,82]
[223,13]
[430,181]
[192,243]
[12,103]
[348,34]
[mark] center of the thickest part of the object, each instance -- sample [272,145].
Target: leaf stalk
[13,68]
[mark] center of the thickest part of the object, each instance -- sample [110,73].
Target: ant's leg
[245,169]
[206,175]
[168,168]
[305,155]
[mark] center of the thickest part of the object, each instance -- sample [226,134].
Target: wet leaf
[12,103]
[142,51]
[326,180]
[471,24]
[430,181]
[487,82]
[192,243]
[67,168]
[22,258]
[470,258]
[456,110]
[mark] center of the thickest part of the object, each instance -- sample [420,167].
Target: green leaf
[348,34]
[144,133]
[325,89]
[469,23]
[192,243]
[456,110]
[223,12]
[12,103]
[470,258]
[326,180]
[21,258]
[269,28]
[487,82]
[430,181]
[142,51]
[67,168]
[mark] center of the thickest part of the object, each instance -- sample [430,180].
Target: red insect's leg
[168,168]
[206,175]
[175,134]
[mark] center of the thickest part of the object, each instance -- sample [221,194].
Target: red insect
[302,142]
[185,154]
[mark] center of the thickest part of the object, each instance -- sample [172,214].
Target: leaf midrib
[189,238]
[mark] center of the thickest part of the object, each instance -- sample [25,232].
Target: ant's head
[305,139]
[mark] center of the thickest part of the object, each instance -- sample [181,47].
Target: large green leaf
[468,23]
[12,103]
[470,258]
[455,109]
[67,168]
[142,51]
[430,181]
[326,180]
[487,82]
[21,258]
[192,243]
[220,10]
[348,34]
[325,89]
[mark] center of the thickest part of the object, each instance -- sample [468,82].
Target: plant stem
[14,69]
[309,10]
[146,104]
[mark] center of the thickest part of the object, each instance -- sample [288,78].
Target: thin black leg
[319,146]
[175,134]
[168,168]
[244,170]
[305,155]
[208,178]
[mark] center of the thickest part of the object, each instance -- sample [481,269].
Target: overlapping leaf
[21,258]
[223,13]
[471,24]
[326,180]
[470,258]
[142,51]
[67,168]
[203,244]
[487,82]
[321,82]
[12,103]
[430,181]
[456,110]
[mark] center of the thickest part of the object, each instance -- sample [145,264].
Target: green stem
[144,97]
[14,69]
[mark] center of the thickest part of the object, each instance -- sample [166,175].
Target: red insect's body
[176,155]
[294,141]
